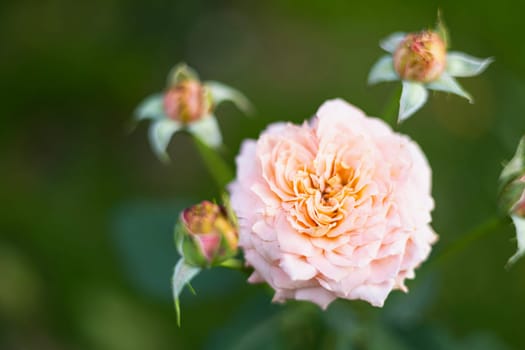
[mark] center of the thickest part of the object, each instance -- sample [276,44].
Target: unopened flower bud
[205,235]
[420,57]
[187,101]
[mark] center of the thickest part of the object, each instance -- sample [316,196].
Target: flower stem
[390,111]
[219,170]
[476,233]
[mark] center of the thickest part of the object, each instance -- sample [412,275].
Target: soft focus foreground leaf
[143,236]
[447,83]
[21,287]
[460,64]
[413,97]
[516,166]
[151,108]
[519,224]
[407,309]
[391,42]
[160,134]
[429,336]
[182,275]
[253,323]
[482,341]
[207,130]
[221,92]
[344,329]
[180,73]
[381,338]
[110,319]
[383,70]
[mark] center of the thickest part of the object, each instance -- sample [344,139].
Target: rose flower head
[205,235]
[335,208]
[512,196]
[187,104]
[421,62]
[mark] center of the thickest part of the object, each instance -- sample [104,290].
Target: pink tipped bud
[187,101]
[207,235]
[421,57]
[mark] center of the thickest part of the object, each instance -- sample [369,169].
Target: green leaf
[391,42]
[460,64]
[235,264]
[181,72]
[207,130]
[447,83]
[151,108]
[160,134]
[383,70]
[220,93]
[519,224]
[413,97]
[182,275]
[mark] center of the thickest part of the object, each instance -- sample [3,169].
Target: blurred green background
[86,249]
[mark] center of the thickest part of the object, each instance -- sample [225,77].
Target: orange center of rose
[319,203]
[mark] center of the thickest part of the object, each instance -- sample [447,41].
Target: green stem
[478,232]
[390,112]
[219,170]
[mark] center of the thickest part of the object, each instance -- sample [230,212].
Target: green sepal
[182,275]
[510,195]
[220,92]
[382,70]
[515,167]
[442,29]
[234,264]
[413,97]
[519,224]
[460,64]
[152,107]
[180,73]
[229,210]
[391,42]
[447,83]
[188,248]
[207,130]
[160,134]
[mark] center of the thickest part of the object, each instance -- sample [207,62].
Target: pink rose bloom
[336,208]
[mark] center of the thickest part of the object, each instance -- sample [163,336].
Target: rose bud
[187,104]
[205,235]
[187,101]
[420,57]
